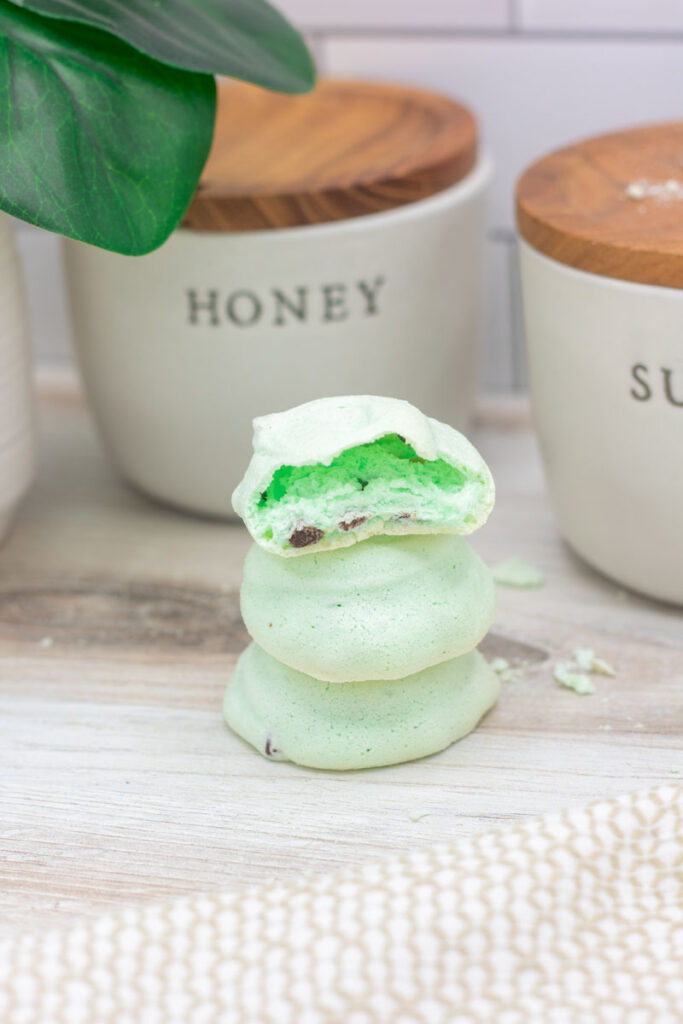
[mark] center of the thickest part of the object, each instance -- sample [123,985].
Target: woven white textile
[570,919]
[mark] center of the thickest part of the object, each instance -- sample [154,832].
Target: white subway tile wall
[538,73]
[616,16]
[50,326]
[392,15]
[497,370]
[531,95]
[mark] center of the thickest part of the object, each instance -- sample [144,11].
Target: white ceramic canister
[335,246]
[601,250]
[16,402]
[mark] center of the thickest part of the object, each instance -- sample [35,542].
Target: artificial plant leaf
[245,39]
[97,141]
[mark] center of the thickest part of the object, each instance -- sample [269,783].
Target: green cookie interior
[383,486]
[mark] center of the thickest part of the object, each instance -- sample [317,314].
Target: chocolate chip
[353,523]
[406,515]
[264,497]
[306,535]
[416,459]
[363,483]
[270,747]
[401,438]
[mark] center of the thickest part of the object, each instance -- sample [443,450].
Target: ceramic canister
[16,405]
[335,246]
[601,243]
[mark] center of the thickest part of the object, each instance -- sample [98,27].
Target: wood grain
[119,628]
[348,149]
[574,205]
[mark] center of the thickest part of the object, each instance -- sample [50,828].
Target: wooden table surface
[119,627]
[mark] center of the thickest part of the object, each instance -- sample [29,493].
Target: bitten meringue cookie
[383,609]
[290,716]
[339,470]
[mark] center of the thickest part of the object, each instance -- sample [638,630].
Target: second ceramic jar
[601,225]
[335,246]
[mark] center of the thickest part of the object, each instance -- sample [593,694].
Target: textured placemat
[574,918]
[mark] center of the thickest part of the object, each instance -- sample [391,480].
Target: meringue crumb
[575,674]
[515,572]
[586,660]
[504,670]
[566,674]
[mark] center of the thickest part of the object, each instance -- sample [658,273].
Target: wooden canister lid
[347,149]
[611,205]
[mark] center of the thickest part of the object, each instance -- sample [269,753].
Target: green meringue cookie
[383,609]
[339,470]
[289,716]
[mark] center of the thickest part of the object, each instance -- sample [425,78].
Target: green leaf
[245,39]
[97,141]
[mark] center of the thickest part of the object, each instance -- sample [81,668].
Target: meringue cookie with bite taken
[336,471]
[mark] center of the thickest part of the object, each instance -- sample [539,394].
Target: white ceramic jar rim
[617,283]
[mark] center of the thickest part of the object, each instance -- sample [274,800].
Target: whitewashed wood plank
[112,805]
[120,781]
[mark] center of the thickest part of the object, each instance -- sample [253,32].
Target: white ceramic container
[606,375]
[16,406]
[605,362]
[180,349]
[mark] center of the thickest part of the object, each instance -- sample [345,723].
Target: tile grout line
[436,33]
[518,382]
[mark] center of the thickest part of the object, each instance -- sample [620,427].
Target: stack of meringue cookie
[364,601]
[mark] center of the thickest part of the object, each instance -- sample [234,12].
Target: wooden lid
[611,205]
[347,149]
